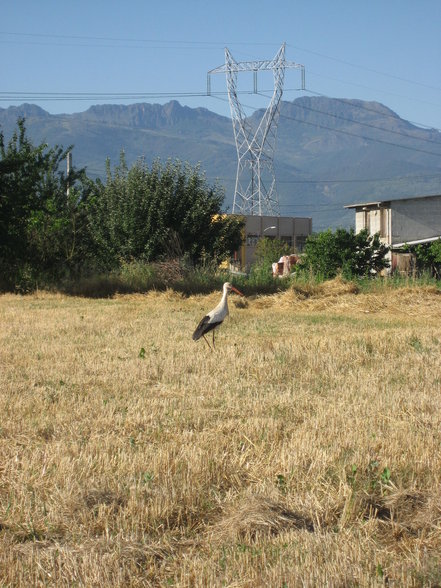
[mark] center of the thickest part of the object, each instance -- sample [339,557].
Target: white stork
[216,316]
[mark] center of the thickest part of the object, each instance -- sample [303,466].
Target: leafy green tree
[39,224]
[20,166]
[59,233]
[141,212]
[266,253]
[428,256]
[353,254]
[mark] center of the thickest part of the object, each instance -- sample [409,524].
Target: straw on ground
[305,451]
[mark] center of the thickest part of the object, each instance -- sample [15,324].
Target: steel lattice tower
[255,190]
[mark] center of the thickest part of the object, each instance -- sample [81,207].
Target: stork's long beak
[236,290]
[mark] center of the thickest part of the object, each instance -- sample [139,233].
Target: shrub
[428,257]
[141,213]
[43,230]
[267,252]
[354,255]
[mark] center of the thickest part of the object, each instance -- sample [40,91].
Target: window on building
[252,240]
[300,243]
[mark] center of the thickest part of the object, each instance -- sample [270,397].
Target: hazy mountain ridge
[153,116]
[329,152]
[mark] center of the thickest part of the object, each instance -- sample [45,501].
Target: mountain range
[329,151]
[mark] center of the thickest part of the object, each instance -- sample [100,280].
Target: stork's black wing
[204,327]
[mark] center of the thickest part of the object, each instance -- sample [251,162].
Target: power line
[364,137]
[183,43]
[416,149]
[382,91]
[313,207]
[346,181]
[254,108]
[364,124]
[162,43]
[357,104]
[13,96]
[172,43]
[73,96]
[312,181]
[381,73]
[88,96]
[51,96]
[19,96]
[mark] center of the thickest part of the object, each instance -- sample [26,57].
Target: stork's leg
[214,347]
[207,342]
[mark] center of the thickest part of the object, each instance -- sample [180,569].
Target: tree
[141,211]
[267,252]
[354,255]
[39,224]
[428,257]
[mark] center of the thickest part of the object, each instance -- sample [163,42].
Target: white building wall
[359,220]
[375,225]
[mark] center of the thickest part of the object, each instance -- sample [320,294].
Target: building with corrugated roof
[400,222]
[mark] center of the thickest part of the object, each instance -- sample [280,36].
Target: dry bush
[169,271]
[303,452]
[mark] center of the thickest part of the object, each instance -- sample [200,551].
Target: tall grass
[394,281]
[139,277]
[181,276]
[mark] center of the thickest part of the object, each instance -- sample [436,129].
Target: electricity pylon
[255,190]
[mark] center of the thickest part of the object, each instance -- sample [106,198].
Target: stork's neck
[224,297]
[224,300]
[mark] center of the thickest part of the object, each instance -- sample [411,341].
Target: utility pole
[255,190]
[69,167]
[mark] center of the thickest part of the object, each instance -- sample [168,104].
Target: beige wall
[375,219]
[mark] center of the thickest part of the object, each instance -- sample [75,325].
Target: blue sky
[66,56]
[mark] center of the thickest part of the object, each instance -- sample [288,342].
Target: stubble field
[304,451]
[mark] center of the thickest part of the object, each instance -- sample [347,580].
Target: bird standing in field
[215,317]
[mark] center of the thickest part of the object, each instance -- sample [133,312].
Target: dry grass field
[305,451]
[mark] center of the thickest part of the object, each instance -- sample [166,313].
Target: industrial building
[291,230]
[400,222]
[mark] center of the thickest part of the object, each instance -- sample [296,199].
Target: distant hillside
[330,152]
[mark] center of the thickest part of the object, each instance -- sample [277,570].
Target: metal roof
[416,242]
[365,204]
